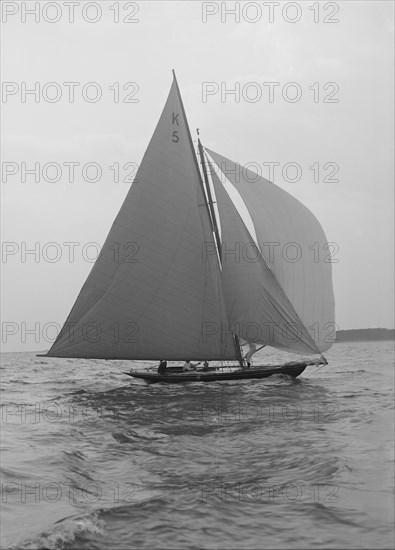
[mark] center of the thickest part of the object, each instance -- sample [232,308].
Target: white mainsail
[150,295]
[258,309]
[288,235]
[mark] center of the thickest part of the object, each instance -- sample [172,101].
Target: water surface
[93,459]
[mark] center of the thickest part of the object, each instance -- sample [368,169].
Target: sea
[93,459]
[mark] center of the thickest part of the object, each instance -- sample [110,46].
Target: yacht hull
[219,374]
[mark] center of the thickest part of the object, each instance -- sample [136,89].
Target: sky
[312,92]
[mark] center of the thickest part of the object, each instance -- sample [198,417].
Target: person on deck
[162,367]
[251,351]
[189,366]
[205,365]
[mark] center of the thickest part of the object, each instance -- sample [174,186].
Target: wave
[63,533]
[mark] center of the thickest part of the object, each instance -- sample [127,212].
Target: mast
[210,199]
[213,218]
[210,212]
[210,204]
[190,141]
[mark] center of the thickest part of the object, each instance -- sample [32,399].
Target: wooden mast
[215,229]
[209,203]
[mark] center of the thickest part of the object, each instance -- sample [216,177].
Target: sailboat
[180,276]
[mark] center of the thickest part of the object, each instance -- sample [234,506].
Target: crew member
[162,367]
[189,366]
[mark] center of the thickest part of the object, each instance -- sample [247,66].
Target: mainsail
[288,235]
[257,307]
[150,295]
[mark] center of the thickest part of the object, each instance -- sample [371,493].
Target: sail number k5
[175,138]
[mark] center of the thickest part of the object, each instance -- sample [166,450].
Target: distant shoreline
[365,335]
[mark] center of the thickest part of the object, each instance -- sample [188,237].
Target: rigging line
[256,351]
[315,372]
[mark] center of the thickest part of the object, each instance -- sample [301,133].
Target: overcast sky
[344,117]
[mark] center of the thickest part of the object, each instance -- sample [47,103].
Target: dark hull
[217,375]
